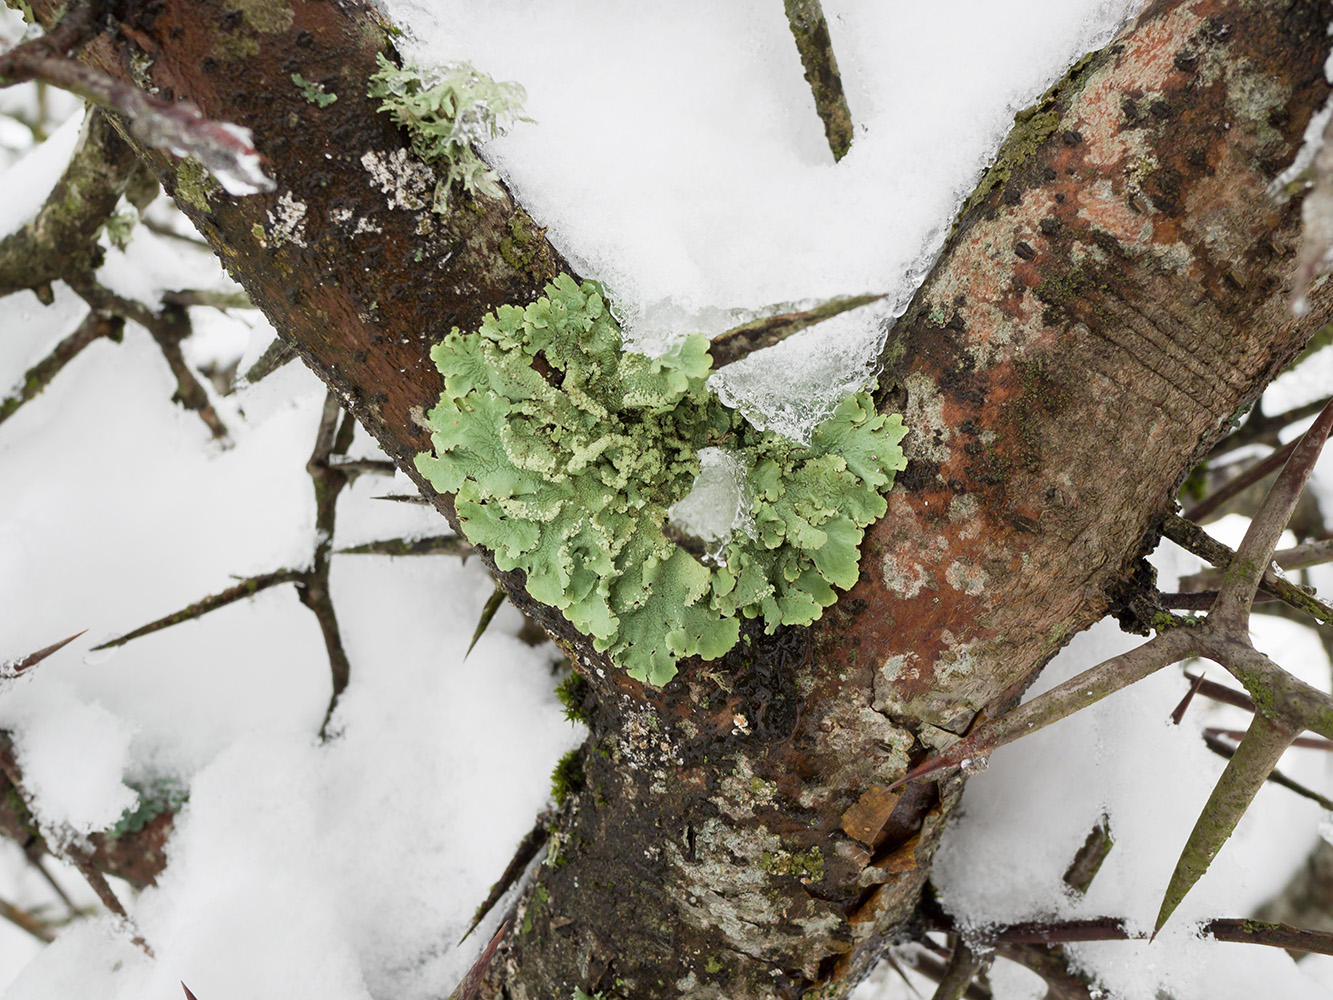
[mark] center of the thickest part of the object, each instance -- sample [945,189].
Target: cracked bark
[1113,294]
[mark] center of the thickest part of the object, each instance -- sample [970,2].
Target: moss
[1032,127]
[572,693]
[713,965]
[808,866]
[195,186]
[526,251]
[567,779]
[539,898]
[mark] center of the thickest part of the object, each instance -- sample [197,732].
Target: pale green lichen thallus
[565,453]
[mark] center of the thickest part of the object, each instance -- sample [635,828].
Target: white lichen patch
[287,221]
[924,413]
[966,577]
[643,742]
[742,792]
[409,183]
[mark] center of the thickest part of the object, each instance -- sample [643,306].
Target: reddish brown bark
[1111,297]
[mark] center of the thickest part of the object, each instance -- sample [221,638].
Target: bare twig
[248,587]
[94,326]
[12,668]
[335,434]
[487,613]
[471,984]
[431,545]
[1226,752]
[168,329]
[274,357]
[27,922]
[810,30]
[1261,429]
[1088,861]
[1239,484]
[964,964]
[1193,538]
[741,341]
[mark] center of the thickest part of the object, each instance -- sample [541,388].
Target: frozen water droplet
[717,505]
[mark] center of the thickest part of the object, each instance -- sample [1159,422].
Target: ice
[790,388]
[717,506]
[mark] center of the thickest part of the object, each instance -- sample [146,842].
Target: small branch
[1088,861]
[1239,484]
[274,357]
[225,149]
[62,238]
[221,301]
[1247,770]
[527,849]
[168,329]
[35,380]
[964,964]
[12,668]
[1193,538]
[333,439]
[25,921]
[741,341]
[810,30]
[353,467]
[431,545]
[1250,565]
[1228,929]
[1062,700]
[246,588]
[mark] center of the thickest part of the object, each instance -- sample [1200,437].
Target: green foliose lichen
[313,91]
[564,453]
[446,110]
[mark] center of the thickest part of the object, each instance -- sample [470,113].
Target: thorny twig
[168,328]
[95,326]
[1288,704]
[73,852]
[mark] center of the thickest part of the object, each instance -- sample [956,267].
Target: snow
[677,159]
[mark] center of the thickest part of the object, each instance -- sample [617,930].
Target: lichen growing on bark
[565,452]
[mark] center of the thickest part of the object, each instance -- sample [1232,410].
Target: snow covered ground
[678,159]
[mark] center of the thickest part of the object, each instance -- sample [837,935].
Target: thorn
[32,659]
[1179,712]
[487,613]
[188,994]
[471,983]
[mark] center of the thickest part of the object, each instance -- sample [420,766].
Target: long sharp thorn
[1179,712]
[188,994]
[487,613]
[32,659]
[1245,774]
[471,983]
[1232,606]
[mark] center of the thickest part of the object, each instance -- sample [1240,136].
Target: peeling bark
[1112,296]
